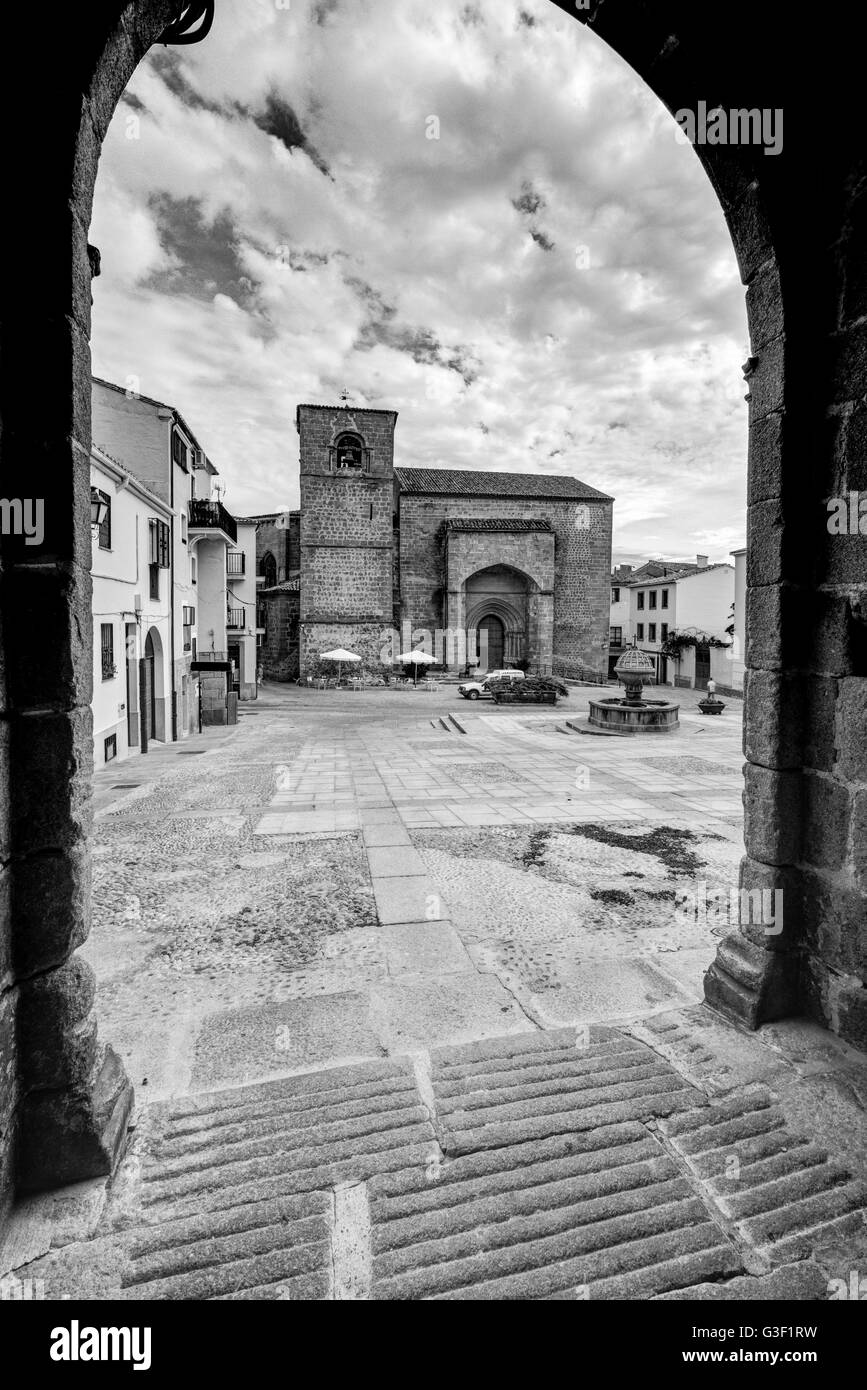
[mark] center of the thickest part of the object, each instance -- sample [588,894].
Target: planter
[534,697]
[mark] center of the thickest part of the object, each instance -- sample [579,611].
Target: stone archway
[499,597]
[799,225]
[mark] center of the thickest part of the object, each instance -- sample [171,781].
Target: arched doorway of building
[497,616]
[152,699]
[492,640]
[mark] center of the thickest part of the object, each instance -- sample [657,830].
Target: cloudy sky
[474,214]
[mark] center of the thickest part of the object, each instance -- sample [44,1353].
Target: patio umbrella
[415,659]
[340,654]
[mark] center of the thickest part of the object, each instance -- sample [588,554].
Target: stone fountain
[632,714]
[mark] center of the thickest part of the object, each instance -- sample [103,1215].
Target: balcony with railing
[235,619]
[209,517]
[235,562]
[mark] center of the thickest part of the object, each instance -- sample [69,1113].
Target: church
[473,566]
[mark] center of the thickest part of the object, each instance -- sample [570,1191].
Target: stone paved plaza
[413,1008]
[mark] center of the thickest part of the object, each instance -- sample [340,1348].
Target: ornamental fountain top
[633,714]
[636,669]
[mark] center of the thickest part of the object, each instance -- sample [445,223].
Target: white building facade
[737,651]
[243,631]
[132,606]
[650,604]
[153,443]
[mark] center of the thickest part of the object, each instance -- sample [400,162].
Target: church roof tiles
[467,482]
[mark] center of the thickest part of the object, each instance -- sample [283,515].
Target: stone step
[586,1223]
[540,1262]
[279,1259]
[781,1192]
[227,1171]
[802,1244]
[472,1090]
[716,1262]
[289,1140]
[544,1097]
[779,1226]
[760,1170]
[355,1099]
[360,1077]
[173,1204]
[459,1182]
[488,1168]
[587,1190]
[727,1133]
[718,1113]
[258,1130]
[458,1141]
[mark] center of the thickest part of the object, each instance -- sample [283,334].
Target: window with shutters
[107,649]
[160,543]
[180,450]
[105,524]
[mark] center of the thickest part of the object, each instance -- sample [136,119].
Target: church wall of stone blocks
[474,566]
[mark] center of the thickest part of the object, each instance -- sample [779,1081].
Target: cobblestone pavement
[410,992]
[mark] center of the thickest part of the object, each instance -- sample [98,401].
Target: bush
[531,690]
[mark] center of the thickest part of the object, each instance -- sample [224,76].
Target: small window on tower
[348,452]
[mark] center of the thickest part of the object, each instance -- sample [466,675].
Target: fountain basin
[644,717]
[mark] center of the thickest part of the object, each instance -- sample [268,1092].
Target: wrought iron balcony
[209,515]
[235,618]
[235,562]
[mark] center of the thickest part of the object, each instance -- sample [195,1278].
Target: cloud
[279,119]
[554,265]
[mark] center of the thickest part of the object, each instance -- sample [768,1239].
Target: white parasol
[416,658]
[340,654]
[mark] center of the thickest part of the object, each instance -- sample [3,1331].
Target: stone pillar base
[750,984]
[69,1136]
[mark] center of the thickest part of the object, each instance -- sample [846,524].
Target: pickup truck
[478,689]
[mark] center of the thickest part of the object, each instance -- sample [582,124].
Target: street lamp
[98,509]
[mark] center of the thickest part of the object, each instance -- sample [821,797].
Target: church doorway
[492,641]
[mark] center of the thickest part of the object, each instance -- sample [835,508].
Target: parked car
[479,688]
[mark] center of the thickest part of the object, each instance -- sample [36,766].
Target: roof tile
[467,482]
